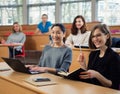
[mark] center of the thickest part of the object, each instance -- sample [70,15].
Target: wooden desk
[33,42]
[115,35]
[4,52]
[11,44]
[75,51]
[13,83]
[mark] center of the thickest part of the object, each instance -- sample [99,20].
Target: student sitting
[79,34]
[55,57]
[44,26]
[104,64]
[17,36]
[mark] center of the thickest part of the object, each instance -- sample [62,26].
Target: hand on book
[88,74]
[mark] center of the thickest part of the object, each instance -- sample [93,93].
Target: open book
[73,75]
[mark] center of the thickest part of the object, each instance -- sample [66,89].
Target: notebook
[18,66]
[73,75]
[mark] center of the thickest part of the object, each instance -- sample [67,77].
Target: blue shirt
[44,29]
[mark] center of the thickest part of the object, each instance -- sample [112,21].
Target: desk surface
[4,52]
[10,44]
[63,86]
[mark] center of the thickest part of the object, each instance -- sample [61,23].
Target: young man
[44,26]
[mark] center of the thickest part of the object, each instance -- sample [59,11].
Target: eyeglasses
[96,36]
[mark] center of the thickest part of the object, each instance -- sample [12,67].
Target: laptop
[18,66]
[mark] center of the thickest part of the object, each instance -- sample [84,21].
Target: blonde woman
[17,36]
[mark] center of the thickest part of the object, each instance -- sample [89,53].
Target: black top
[108,66]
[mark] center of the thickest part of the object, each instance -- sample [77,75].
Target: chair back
[22,54]
[115,42]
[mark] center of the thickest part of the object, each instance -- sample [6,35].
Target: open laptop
[18,66]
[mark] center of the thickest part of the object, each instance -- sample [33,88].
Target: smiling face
[16,27]
[99,39]
[57,35]
[79,23]
[44,19]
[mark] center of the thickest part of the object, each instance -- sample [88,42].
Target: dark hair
[60,26]
[45,15]
[20,28]
[104,29]
[74,29]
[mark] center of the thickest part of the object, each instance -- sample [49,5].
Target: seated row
[103,66]
[79,34]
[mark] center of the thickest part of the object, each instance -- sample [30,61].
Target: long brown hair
[105,30]
[20,27]
[74,29]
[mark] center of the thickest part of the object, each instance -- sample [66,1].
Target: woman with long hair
[79,34]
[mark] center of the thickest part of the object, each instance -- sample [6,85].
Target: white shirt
[79,39]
